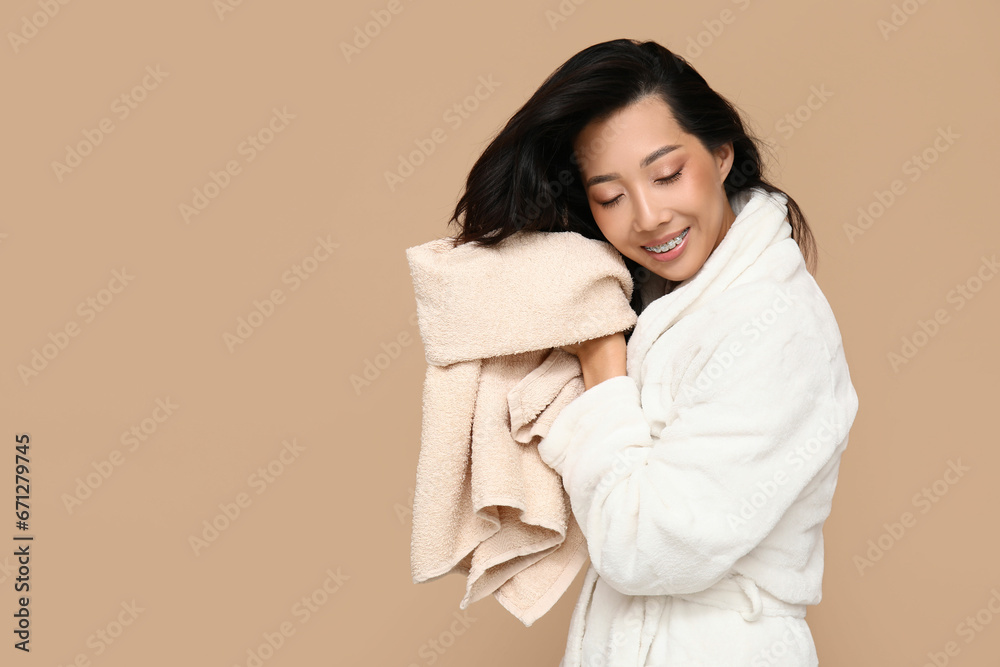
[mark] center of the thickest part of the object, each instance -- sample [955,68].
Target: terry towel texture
[492,319]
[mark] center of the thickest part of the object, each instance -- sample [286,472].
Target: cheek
[615,234]
[604,222]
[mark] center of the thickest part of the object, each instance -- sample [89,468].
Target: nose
[649,213]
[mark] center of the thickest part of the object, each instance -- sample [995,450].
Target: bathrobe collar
[761,221]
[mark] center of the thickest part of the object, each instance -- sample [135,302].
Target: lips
[664,239]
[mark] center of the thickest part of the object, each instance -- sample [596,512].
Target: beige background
[339,504]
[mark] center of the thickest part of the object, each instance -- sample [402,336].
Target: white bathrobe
[702,478]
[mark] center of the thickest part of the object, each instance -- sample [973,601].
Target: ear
[724,156]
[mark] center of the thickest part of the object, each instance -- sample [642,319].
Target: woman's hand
[600,358]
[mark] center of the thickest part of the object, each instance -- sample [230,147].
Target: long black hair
[528,177]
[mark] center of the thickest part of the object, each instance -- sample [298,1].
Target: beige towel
[492,320]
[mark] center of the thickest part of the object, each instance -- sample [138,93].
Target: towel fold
[492,320]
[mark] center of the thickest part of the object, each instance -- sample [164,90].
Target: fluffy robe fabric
[702,478]
[491,319]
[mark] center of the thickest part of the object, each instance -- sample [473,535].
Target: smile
[669,245]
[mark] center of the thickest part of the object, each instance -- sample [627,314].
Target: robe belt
[741,594]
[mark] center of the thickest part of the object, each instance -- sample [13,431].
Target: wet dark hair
[528,177]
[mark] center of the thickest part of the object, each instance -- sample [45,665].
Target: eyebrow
[645,162]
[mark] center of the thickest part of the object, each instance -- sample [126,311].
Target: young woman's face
[647,182]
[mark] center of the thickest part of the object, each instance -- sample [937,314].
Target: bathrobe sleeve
[744,425]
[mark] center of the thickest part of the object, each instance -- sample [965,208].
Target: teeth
[670,245]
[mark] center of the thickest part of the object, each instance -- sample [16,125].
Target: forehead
[638,128]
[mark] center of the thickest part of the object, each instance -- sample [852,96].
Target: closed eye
[667,179]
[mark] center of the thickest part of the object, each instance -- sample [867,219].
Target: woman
[702,458]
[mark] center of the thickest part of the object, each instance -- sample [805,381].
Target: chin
[677,271]
[675,275]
